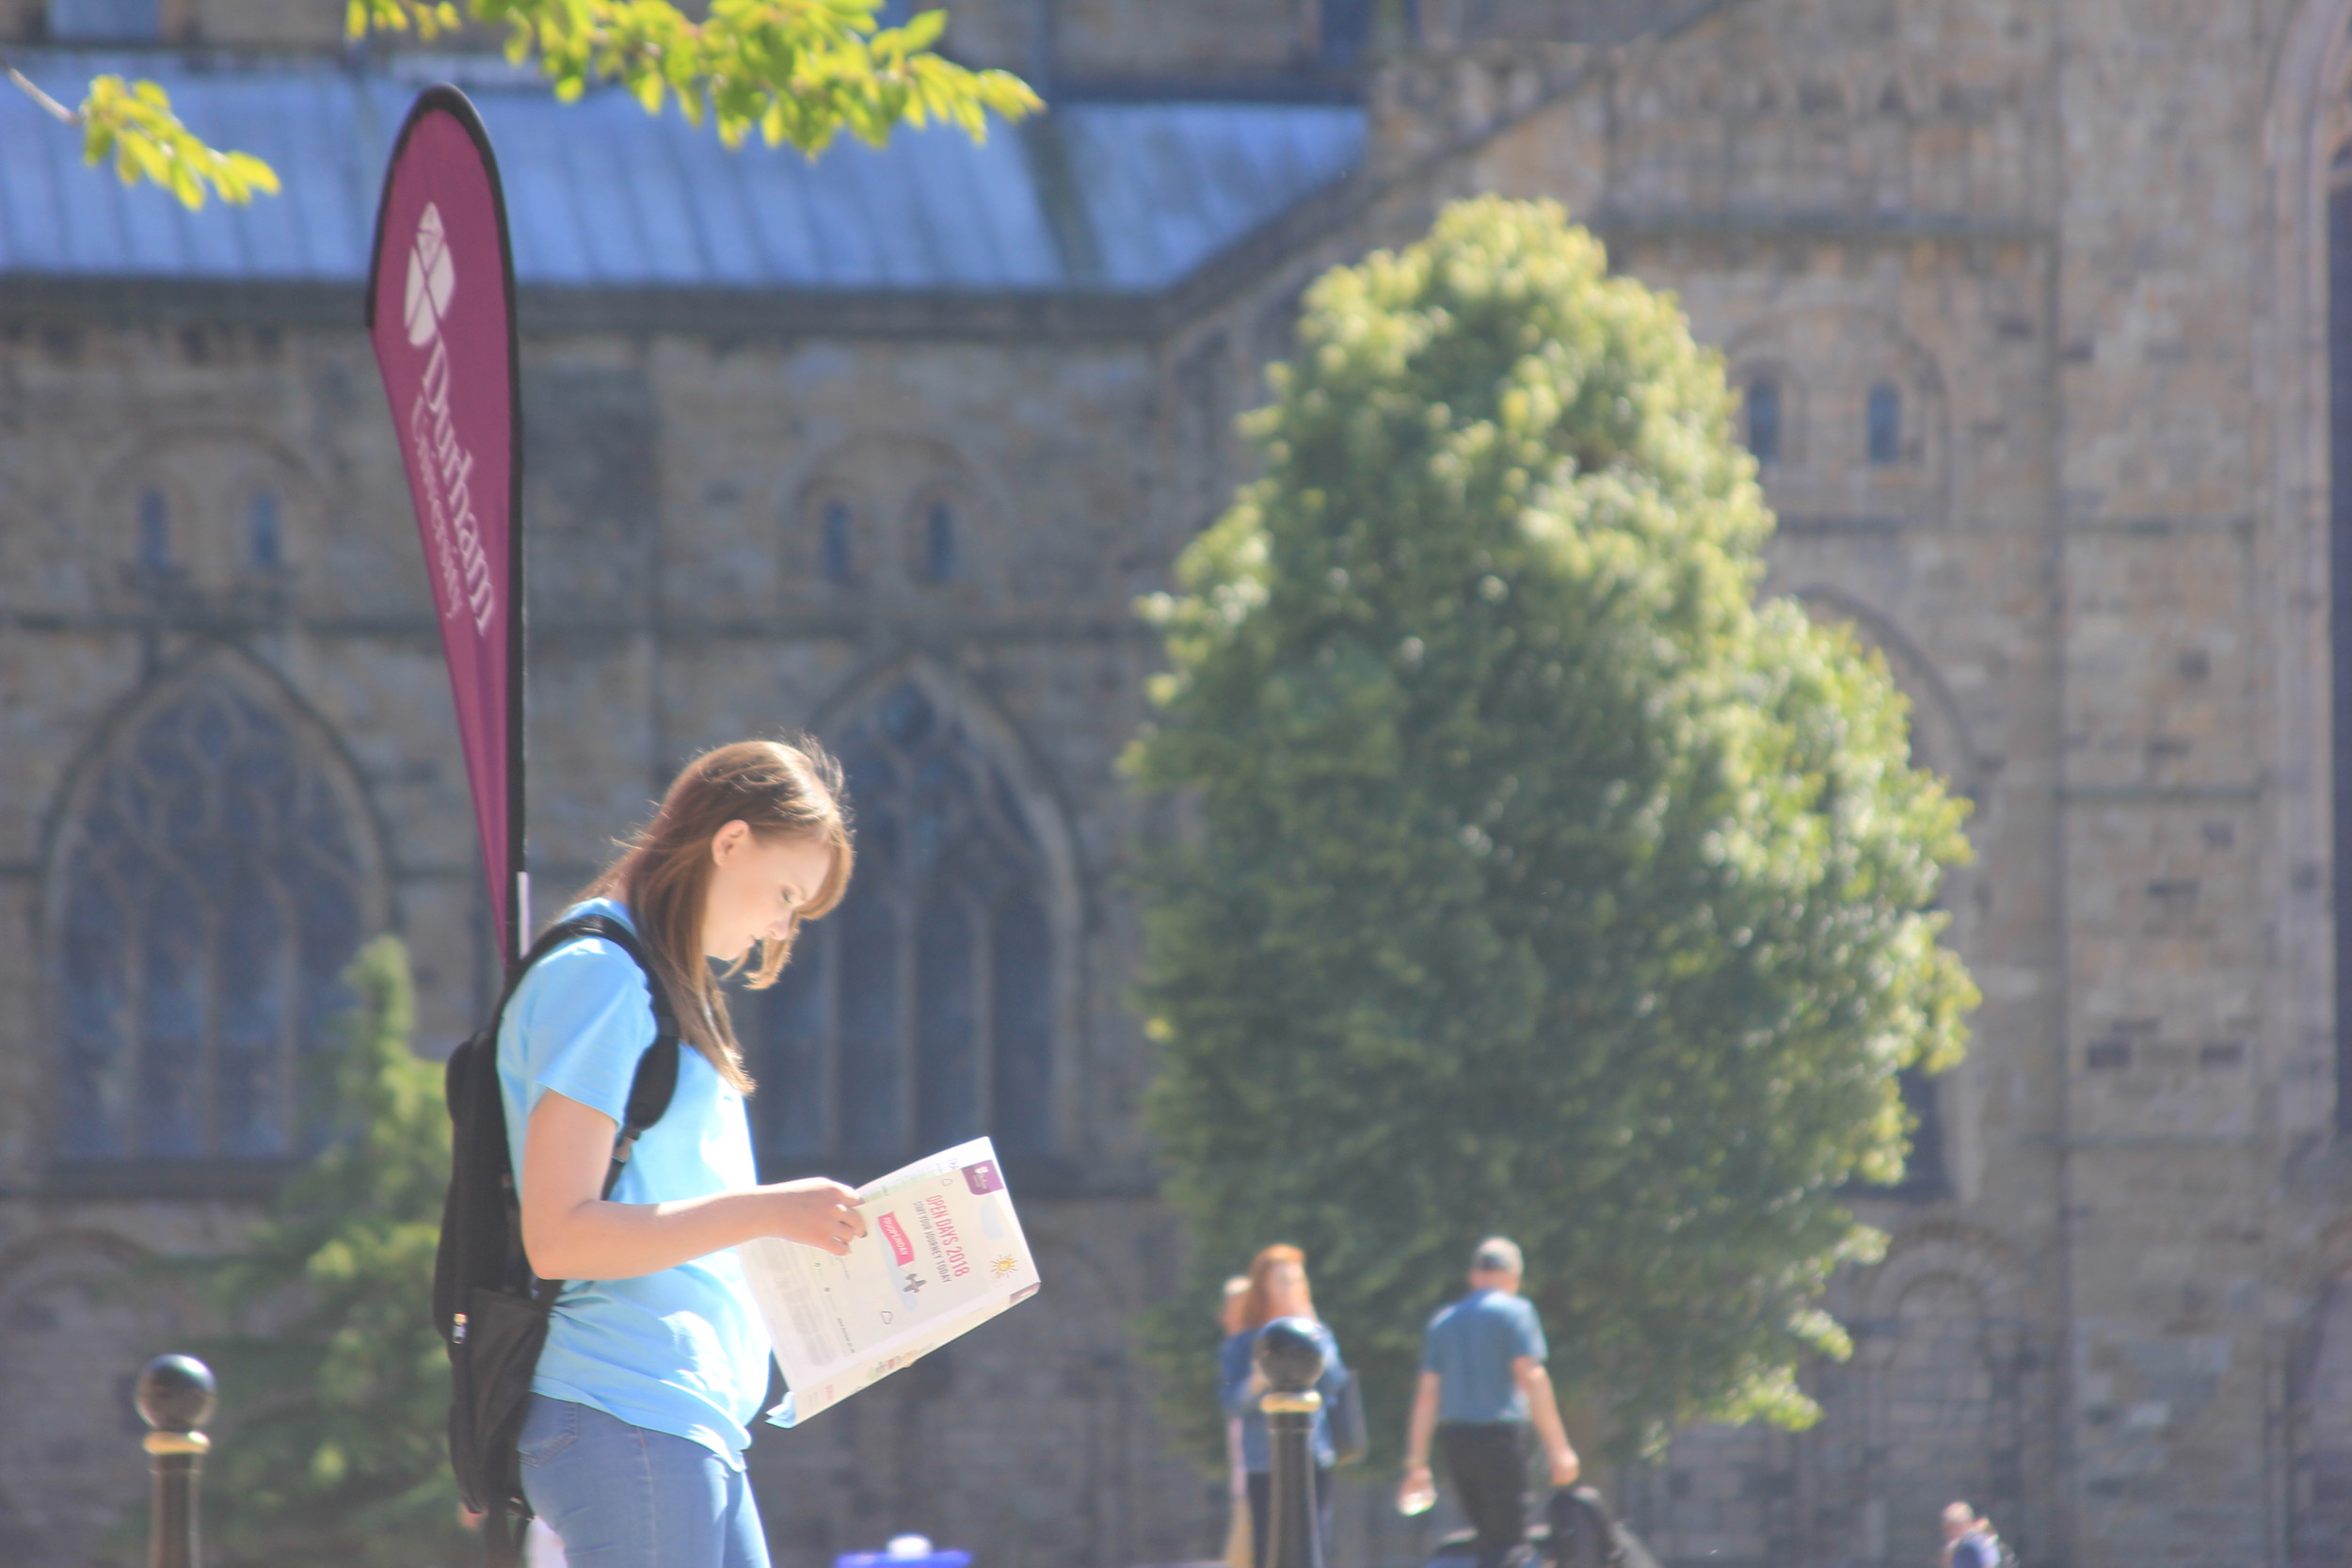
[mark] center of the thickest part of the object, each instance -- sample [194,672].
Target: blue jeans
[622,1496]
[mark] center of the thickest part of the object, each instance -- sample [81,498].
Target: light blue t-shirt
[681,1351]
[1471,1346]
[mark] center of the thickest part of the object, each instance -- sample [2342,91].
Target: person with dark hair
[1482,1387]
[1278,1289]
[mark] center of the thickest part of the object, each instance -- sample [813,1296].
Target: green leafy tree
[1544,880]
[335,1399]
[797,70]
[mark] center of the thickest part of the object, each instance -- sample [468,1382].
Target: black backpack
[1347,1440]
[490,1309]
[1582,1533]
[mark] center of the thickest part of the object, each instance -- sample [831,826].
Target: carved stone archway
[212,868]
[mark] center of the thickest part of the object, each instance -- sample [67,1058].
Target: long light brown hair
[663,873]
[1258,1308]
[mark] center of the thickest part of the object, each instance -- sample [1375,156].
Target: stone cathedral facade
[2041,315]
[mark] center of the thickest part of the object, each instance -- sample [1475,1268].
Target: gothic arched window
[837,530]
[1925,1173]
[154,531]
[920,1012]
[1764,418]
[266,532]
[209,889]
[1882,420]
[1349,27]
[939,552]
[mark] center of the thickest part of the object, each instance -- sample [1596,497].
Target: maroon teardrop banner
[441,310]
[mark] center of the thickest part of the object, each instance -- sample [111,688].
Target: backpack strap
[656,1079]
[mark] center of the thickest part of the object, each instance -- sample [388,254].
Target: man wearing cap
[1482,1384]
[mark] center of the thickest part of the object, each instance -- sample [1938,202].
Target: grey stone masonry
[2036,293]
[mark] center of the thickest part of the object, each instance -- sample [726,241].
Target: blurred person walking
[1240,1552]
[1968,1539]
[1483,1387]
[1278,1289]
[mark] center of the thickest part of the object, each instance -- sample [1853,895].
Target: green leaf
[134,123]
[802,71]
[922,31]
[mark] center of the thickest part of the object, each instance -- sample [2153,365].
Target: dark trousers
[1487,1462]
[1262,1510]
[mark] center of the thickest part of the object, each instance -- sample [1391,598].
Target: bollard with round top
[174,1396]
[1290,1358]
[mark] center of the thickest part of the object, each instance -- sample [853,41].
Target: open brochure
[942,1254]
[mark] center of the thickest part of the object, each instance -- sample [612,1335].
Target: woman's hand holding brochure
[943,1253]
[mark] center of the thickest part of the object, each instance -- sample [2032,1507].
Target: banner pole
[517,613]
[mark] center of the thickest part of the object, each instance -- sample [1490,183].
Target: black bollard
[175,1397]
[1290,1360]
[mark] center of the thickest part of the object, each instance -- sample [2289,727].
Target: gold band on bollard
[177,1443]
[1291,1404]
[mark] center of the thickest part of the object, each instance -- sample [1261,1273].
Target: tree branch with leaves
[797,70]
[132,123]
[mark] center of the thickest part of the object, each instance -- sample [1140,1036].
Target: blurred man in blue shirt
[1968,1539]
[1483,1387]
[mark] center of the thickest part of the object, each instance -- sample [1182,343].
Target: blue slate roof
[1103,197]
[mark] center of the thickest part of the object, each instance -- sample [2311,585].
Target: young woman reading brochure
[655,1359]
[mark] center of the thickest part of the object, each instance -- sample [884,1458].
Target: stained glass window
[833,526]
[154,531]
[269,537]
[920,1012]
[1924,1174]
[1884,416]
[1764,419]
[1348,27]
[939,552]
[209,895]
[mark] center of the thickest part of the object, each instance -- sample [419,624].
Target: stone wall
[1199,39]
[2074,249]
